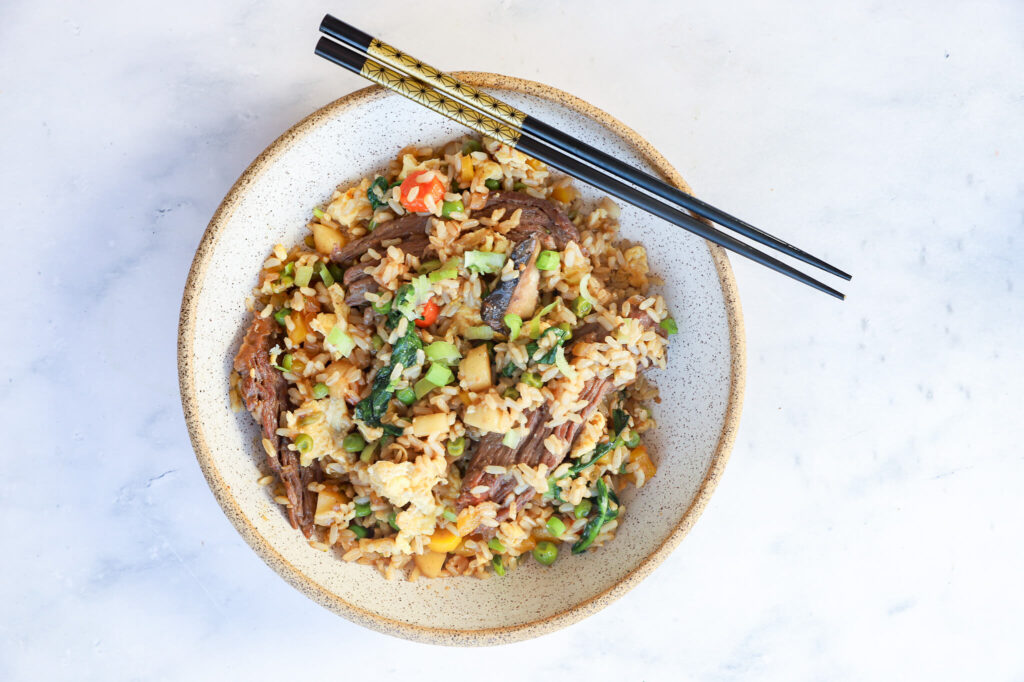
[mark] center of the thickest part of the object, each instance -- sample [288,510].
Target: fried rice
[448,370]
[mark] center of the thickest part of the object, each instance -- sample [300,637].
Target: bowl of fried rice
[446,391]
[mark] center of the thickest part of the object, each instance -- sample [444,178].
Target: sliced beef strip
[537,214]
[264,391]
[515,296]
[403,228]
[356,279]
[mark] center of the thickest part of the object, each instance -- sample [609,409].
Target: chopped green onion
[562,365]
[582,510]
[367,454]
[429,266]
[286,362]
[450,270]
[510,392]
[531,379]
[495,545]
[456,446]
[340,342]
[486,262]
[449,207]
[439,375]
[320,391]
[303,275]
[281,314]
[382,308]
[325,275]
[519,186]
[511,438]
[670,326]
[556,526]
[358,530]
[393,520]
[421,287]
[481,333]
[633,440]
[283,283]
[289,270]
[423,387]
[450,515]
[545,553]
[584,286]
[499,565]
[354,442]
[371,226]
[471,145]
[581,307]
[405,301]
[318,213]
[492,183]
[377,342]
[514,324]
[363,509]
[442,351]
[303,442]
[406,396]
[548,260]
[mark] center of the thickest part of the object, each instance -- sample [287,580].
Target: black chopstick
[534,127]
[438,102]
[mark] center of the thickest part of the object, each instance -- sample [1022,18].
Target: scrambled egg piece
[411,483]
[312,420]
[351,206]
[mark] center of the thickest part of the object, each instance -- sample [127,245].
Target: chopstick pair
[370,58]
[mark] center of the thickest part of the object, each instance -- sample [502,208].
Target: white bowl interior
[274,205]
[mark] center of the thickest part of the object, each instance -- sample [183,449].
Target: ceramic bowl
[698,415]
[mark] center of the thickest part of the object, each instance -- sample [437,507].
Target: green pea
[531,379]
[495,545]
[582,510]
[470,146]
[358,530]
[406,396]
[366,456]
[362,510]
[510,392]
[669,325]
[377,342]
[545,553]
[492,183]
[320,391]
[499,565]
[354,442]
[450,207]
[286,362]
[519,186]
[581,307]
[303,443]
[456,446]
[556,526]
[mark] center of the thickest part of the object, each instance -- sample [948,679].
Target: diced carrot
[415,190]
[640,456]
[563,193]
[443,540]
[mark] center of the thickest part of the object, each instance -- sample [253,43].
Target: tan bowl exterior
[416,611]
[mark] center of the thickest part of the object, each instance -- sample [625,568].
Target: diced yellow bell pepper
[466,176]
[430,563]
[443,540]
[643,460]
[298,332]
[563,193]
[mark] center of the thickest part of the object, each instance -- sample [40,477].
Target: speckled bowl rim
[302,582]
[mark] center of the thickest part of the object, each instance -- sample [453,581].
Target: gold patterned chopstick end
[435,101]
[392,56]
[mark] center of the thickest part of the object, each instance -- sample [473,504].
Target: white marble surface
[869,523]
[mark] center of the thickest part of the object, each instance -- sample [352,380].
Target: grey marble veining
[868,525]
